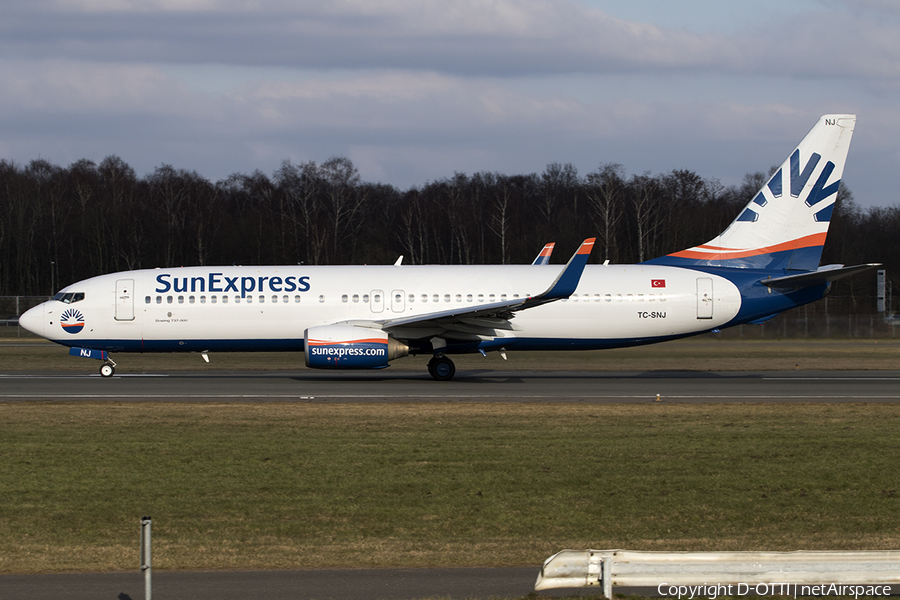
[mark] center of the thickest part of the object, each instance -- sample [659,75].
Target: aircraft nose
[33,320]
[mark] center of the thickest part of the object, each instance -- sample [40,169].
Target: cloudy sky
[415,90]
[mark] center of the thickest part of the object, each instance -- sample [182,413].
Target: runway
[469,386]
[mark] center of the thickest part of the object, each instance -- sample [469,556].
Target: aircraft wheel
[441,368]
[107,370]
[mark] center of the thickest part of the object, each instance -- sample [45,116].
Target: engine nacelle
[350,347]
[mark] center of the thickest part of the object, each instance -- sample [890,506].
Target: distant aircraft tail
[785,225]
[543,257]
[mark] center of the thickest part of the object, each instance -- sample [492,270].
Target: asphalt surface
[386,387]
[468,386]
[333,584]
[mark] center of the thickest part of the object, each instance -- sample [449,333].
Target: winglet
[565,284]
[544,256]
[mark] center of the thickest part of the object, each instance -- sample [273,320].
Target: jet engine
[350,347]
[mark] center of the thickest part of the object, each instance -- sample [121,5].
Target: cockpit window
[69,297]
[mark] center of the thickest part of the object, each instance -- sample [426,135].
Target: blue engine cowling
[350,347]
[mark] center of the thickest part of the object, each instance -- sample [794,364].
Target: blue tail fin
[785,225]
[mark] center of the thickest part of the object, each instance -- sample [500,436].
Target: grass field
[261,486]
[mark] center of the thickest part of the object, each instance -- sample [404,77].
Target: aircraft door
[704,298]
[398,305]
[125,300]
[376,301]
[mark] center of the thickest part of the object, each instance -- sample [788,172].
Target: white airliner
[363,317]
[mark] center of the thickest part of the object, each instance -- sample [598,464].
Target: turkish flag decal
[658,283]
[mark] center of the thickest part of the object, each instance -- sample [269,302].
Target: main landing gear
[441,368]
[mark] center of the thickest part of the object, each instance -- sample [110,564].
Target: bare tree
[605,190]
[344,202]
[500,216]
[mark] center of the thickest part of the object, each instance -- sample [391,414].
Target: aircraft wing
[484,319]
[820,276]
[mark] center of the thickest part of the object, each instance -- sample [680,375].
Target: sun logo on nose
[72,321]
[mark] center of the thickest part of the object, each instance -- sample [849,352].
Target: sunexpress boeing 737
[363,317]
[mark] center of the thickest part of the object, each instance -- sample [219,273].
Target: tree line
[60,225]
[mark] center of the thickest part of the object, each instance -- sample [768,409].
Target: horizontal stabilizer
[820,277]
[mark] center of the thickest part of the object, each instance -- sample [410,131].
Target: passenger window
[249,300]
[180,299]
[169,299]
[237,299]
[147,300]
[355,298]
[297,299]
[224,299]
[345,298]
[159,299]
[262,299]
[213,299]
[191,299]
[202,299]
[322,298]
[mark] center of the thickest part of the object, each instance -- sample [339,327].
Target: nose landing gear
[108,368]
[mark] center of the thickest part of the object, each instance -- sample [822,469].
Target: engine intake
[350,347]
